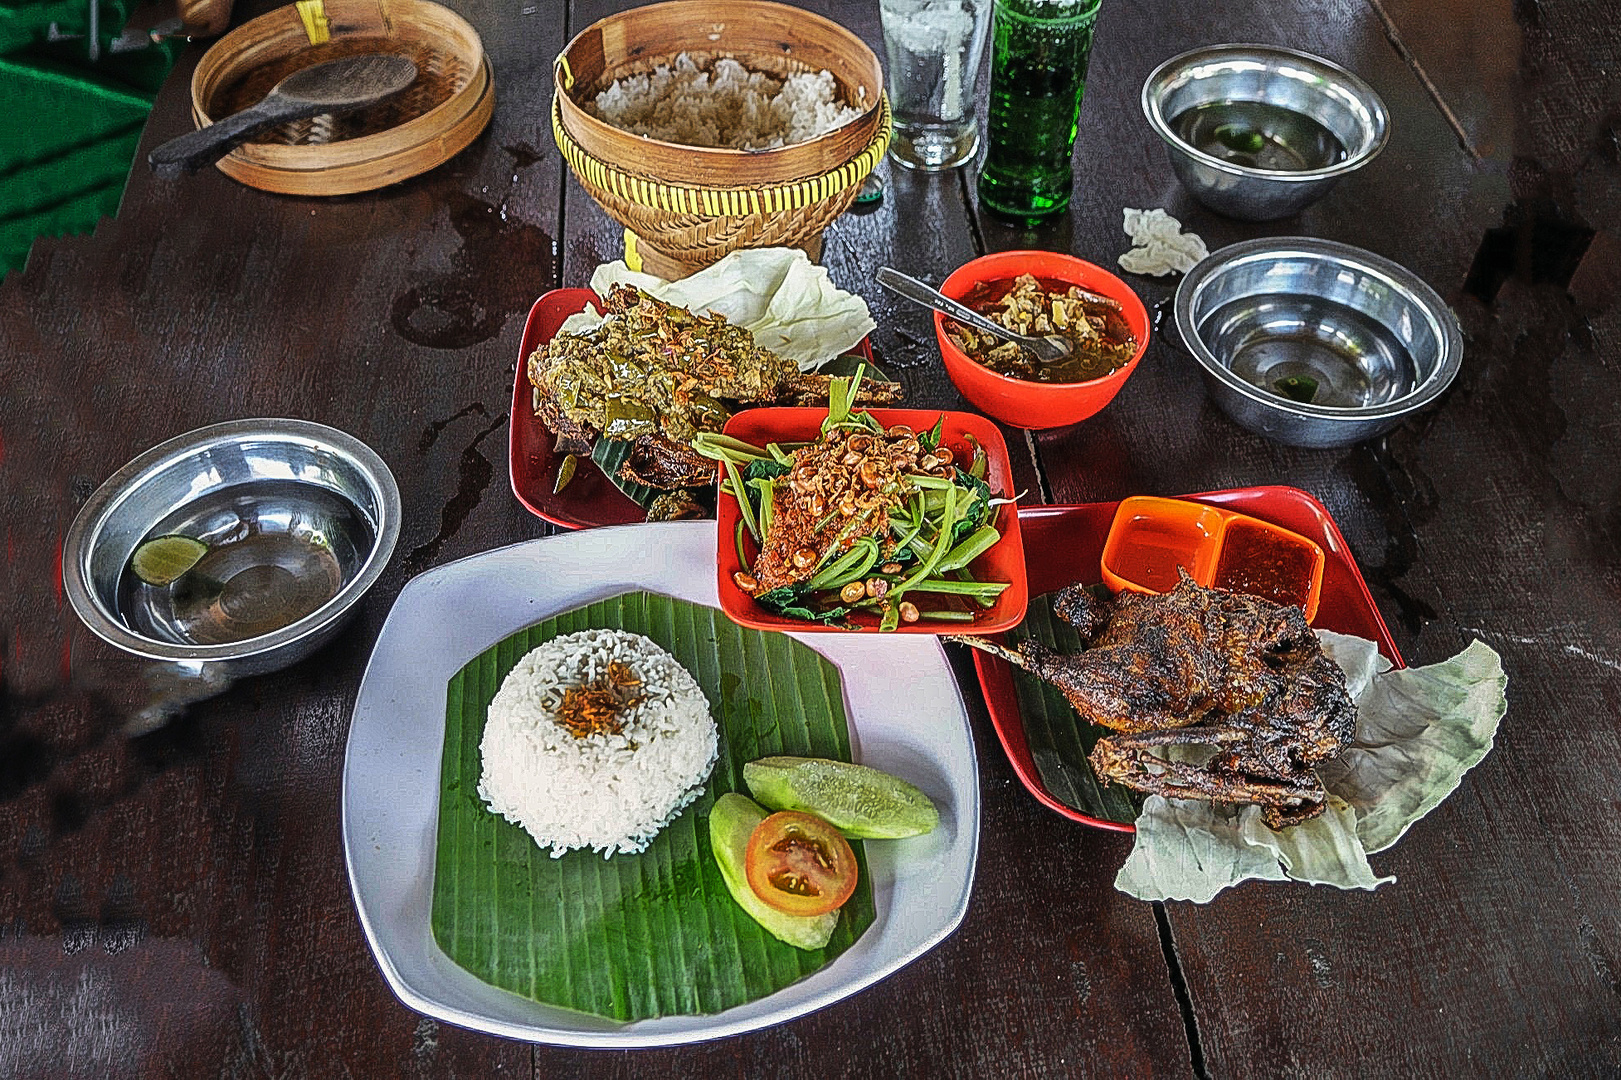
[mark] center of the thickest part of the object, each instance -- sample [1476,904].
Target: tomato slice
[799,864]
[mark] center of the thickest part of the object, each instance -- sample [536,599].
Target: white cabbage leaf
[1418,731]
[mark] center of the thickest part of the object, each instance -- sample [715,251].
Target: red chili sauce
[1264,564]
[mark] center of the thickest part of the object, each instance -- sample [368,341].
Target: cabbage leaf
[787,302]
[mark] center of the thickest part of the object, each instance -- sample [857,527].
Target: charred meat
[1197,667]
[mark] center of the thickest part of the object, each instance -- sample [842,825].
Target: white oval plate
[906,717]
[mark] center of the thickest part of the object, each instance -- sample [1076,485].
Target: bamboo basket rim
[284,23]
[564,82]
[373,171]
[716,201]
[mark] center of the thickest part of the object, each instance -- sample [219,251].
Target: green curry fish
[655,375]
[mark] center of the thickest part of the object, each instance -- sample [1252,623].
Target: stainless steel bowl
[1303,84]
[300,520]
[1365,338]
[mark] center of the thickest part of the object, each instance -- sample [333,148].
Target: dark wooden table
[175,904]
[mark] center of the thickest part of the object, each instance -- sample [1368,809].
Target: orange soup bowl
[1037,405]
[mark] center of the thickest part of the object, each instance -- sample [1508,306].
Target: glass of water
[934,49]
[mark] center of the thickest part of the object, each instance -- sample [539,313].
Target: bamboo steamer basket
[204,18]
[685,207]
[426,124]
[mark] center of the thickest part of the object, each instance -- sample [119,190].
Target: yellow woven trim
[316,26]
[721,202]
[633,258]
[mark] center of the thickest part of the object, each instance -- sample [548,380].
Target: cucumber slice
[731,821]
[860,802]
[163,559]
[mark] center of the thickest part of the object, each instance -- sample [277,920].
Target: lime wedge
[163,559]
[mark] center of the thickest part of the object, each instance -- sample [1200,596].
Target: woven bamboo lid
[410,133]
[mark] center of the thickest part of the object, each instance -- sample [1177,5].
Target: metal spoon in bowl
[337,86]
[1049,349]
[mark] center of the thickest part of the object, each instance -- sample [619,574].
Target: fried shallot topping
[598,707]
[842,488]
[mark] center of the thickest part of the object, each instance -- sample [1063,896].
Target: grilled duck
[1240,675]
[655,375]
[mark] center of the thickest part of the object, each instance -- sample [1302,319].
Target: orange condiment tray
[1152,538]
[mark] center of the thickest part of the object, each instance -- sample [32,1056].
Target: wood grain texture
[176,903]
[1459,537]
[185,890]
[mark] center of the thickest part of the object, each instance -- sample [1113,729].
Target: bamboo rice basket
[423,126]
[685,207]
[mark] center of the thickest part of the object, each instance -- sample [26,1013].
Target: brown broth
[1083,365]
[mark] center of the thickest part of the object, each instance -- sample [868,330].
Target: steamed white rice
[609,792]
[725,105]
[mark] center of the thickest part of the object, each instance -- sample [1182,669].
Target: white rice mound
[726,105]
[612,793]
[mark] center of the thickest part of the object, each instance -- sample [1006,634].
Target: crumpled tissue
[1160,245]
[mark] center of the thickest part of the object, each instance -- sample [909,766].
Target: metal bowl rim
[118,487]
[1359,86]
[1442,321]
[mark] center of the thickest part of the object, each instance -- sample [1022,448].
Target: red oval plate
[1003,562]
[590,498]
[1058,539]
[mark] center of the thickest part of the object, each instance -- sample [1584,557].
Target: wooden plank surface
[175,903]
[1452,527]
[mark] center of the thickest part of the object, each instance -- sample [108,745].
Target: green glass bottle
[1038,74]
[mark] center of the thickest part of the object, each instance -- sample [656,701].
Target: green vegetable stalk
[933,527]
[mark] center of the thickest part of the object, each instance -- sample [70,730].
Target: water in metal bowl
[1258,135]
[277,551]
[287,524]
[1316,343]
[1310,350]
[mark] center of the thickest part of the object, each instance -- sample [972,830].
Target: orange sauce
[1262,563]
[1151,552]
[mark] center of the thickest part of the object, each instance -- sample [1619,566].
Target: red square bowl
[1003,562]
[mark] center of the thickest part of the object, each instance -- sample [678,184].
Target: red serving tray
[1064,544]
[1005,560]
[590,498]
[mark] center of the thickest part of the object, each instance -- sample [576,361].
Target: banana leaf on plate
[653,934]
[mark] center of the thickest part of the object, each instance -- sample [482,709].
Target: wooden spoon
[337,86]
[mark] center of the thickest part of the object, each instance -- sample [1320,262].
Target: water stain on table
[1390,481]
[430,434]
[1535,244]
[474,472]
[502,265]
